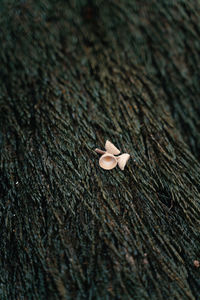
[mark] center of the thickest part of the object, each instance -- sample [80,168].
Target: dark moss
[73,74]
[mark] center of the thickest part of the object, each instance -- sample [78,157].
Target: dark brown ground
[73,74]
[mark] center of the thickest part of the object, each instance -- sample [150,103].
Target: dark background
[74,74]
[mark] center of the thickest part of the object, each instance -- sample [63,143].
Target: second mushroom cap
[110,148]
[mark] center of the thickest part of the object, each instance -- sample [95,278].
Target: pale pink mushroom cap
[122,160]
[110,148]
[107,161]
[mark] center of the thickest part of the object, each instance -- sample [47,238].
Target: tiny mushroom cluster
[108,160]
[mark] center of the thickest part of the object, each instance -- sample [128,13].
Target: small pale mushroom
[110,148]
[108,160]
[196,263]
[122,160]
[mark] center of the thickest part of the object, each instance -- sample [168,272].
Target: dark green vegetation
[73,74]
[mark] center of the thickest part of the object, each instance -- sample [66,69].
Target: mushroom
[108,160]
[110,148]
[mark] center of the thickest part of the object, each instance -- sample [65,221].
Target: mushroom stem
[100,151]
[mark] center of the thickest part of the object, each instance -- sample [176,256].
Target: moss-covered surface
[73,74]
